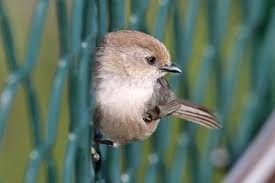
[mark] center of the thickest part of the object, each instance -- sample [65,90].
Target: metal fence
[226,49]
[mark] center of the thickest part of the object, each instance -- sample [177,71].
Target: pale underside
[122,107]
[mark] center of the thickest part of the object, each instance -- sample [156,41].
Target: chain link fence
[225,48]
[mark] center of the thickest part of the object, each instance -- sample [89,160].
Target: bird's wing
[196,114]
[164,102]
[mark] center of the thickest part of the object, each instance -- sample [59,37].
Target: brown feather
[196,114]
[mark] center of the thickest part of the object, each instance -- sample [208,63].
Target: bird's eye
[151,60]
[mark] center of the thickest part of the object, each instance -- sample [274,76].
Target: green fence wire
[226,49]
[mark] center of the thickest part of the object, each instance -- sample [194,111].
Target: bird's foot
[95,155]
[147,118]
[151,115]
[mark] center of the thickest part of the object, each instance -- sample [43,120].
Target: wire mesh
[224,47]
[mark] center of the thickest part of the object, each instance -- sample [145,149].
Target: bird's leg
[95,155]
[99,139]
[104,141]
[147,117]
[151,115]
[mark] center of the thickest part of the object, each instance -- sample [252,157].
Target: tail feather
[196,114]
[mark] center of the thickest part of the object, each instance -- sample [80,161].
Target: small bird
[132,93]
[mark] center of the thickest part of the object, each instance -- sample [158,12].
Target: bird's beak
[171,68]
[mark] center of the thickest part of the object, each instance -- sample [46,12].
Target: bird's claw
[95,155]
[151,115]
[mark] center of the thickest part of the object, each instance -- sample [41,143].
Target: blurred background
[224,47]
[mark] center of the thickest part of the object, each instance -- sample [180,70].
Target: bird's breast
[124,99]
[122,108]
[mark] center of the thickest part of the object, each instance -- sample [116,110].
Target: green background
[236,88]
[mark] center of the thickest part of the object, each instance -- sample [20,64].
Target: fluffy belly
[122,110]
[124,131]
[124,101]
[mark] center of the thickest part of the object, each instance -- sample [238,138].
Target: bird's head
[133,55]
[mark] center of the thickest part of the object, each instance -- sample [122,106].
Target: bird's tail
[196,114]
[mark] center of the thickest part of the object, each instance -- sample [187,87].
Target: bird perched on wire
[132,94]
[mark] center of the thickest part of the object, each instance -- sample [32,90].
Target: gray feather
[164,102]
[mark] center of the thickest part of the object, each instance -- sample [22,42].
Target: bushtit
[132,94]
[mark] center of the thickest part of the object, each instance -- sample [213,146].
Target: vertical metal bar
[116,14]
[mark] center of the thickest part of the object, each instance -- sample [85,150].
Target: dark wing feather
[161,102]
[164,102]
[196,114]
